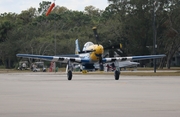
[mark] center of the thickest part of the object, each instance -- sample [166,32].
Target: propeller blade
[105,55]
[95,34]
[116,46]
[101,67]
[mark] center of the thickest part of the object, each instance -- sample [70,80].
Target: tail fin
[77,50]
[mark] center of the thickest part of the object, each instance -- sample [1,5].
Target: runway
[88,95]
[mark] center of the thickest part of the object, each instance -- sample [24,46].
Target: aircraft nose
[99,49]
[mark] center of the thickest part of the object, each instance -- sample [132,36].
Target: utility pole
[55,41]
[55,34]
[154,35]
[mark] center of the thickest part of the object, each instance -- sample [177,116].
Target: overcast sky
[16,6]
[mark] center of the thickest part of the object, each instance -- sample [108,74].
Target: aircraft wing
[50,58]
[128,63]
[133,58]
[65,59]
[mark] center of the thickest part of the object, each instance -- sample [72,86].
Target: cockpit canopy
[86,45]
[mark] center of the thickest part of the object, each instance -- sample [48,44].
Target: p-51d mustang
[90,55]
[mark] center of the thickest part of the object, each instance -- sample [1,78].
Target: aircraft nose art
[99,49]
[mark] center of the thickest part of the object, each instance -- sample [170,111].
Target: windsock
[50,9]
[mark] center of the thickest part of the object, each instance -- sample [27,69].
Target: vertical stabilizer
[77,50]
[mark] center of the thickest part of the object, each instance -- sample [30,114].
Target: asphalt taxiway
[88,95]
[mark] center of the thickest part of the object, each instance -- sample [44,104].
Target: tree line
[129,22]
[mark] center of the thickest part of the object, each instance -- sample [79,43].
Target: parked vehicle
[38,67]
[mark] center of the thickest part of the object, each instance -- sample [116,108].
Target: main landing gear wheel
[116,75]
[69,75]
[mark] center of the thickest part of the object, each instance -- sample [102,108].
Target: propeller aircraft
[90,55]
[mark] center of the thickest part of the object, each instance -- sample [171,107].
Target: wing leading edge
[87,60]
[63,59]
[133,58]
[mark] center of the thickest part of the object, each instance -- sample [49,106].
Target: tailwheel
[116,74]
[69,75]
